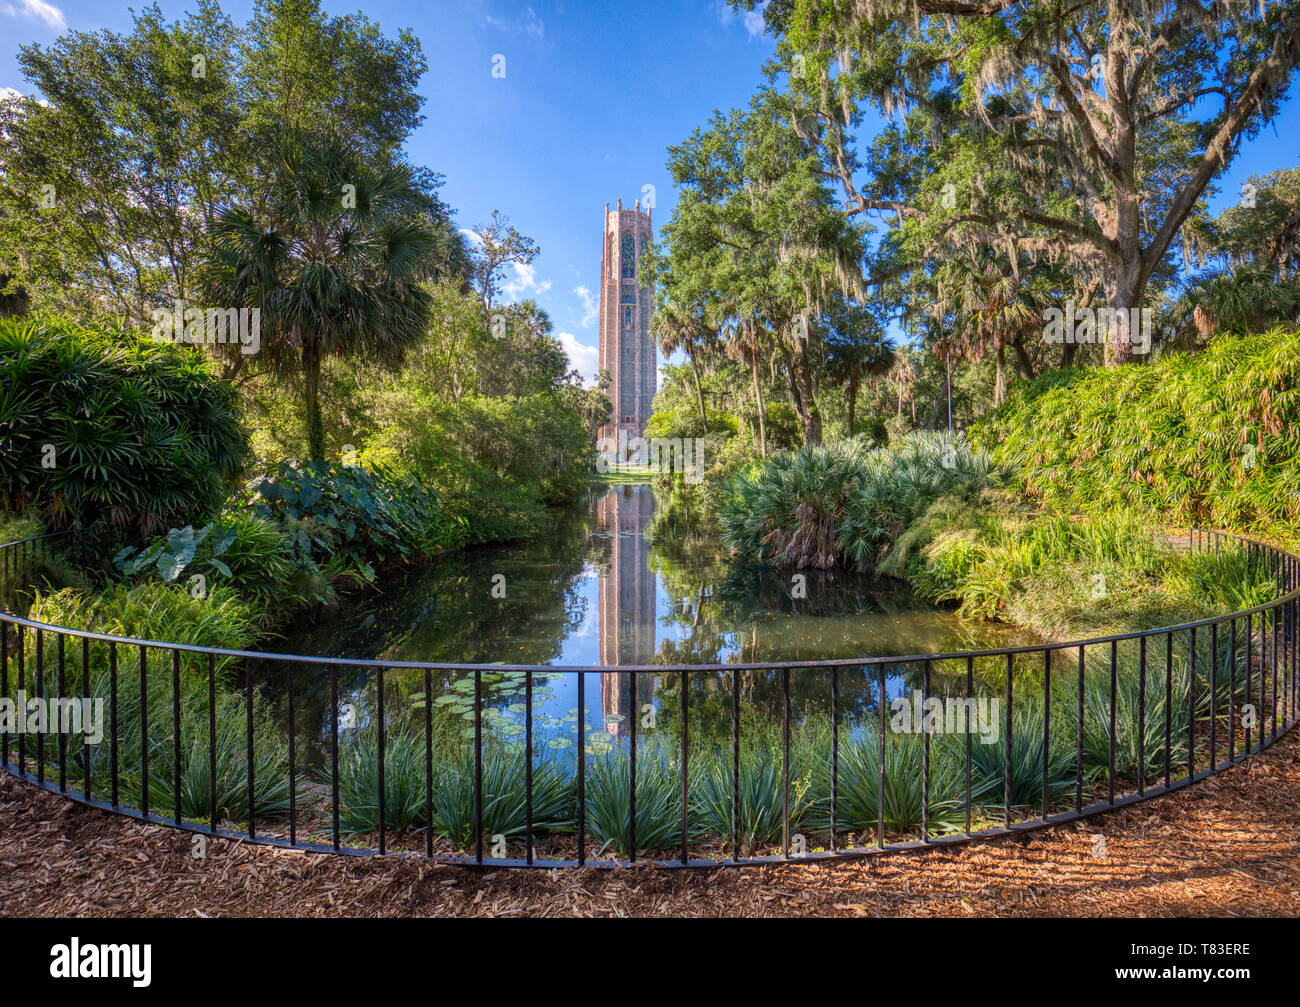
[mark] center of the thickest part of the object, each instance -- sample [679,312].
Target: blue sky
[592,96]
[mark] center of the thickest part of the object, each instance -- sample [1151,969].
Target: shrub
[494,462]
[504,794]
[1205,439]
[142,433]
[859,798]
[989,762]
[844,503]
[303,531]
[156,611]
[404,791]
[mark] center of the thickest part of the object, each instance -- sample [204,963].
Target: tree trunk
[808,411]
[1000,378]
[758,399]
[311,381]
[853,399]
[1023,358]
[1125,291]
[699,392]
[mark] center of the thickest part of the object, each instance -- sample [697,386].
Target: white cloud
[7,92]
[525,283]
[586,359]
[38,10]
[590,309]
[751,19]
[529,23]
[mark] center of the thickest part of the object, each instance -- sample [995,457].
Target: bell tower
[627,349]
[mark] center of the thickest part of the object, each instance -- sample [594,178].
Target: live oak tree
[1089,131]
[497,245]
[111,171]
[1264,227]
[757,247]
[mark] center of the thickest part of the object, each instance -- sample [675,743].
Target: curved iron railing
[850,791]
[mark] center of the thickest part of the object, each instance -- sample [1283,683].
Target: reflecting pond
[624,580]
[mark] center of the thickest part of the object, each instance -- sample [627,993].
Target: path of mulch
[1229,846]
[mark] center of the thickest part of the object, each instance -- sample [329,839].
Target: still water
[624,580]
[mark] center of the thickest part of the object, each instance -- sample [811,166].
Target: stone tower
[627,349]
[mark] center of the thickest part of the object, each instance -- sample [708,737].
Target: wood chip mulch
[1228,846]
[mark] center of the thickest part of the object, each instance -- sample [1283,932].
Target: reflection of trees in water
[745,592]
[445,612]
[441,611]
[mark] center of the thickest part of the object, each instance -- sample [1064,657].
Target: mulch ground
[1229,846]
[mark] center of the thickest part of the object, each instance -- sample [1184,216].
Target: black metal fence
[705,765]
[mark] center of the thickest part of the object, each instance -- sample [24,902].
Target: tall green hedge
[108,424]
[1211,438]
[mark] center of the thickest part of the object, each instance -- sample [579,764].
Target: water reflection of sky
[613,587]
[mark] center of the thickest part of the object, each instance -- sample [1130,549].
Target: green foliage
[504,794]
[303,531]
[1204,440]
[331,275]
[1096,716]
[989,761]
[658,801]
[844,503]
[859,792]
[494,462]
[159,612]
[98,423]
[762,794]
[145,146]
[404,791]
[1070,578]
[153,611]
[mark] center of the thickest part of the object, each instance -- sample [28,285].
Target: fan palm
[856,349]
[333,255]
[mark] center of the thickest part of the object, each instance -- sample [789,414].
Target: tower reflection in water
[627,603]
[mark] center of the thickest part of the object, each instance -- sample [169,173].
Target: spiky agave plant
[989,762]
[658,802]
[860,799]
[1132,732]
[505,790]
[762,797]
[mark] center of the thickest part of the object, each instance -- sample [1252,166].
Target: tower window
[629,256]
[627,316]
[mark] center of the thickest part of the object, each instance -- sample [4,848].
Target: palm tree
[680,330]
[994,309]
[333,254]
[1250,299]
[855,349]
